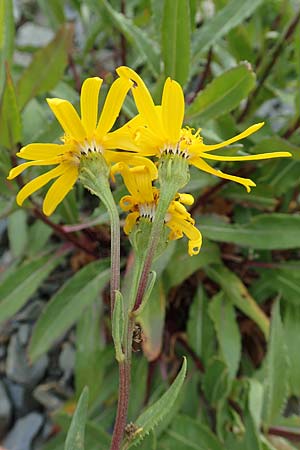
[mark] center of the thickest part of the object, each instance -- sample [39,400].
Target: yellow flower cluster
[157,130]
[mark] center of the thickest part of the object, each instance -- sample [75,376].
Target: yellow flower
[157,130]
[142,203]
[82,137]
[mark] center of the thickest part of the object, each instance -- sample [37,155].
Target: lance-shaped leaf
[75,436]
[137,38]
[264,231]
[46,68]
[67,305]
[223,94]
[19,286]
[10,120]
[176,30]
[292,337]
[276,381]
[7,35]
[156,412]
[239,295]
[234,13]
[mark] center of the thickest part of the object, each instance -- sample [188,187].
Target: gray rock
[18,368]
[24,333]
[49,396]
[24,431]
[5,409]
[67,360]
[31,34]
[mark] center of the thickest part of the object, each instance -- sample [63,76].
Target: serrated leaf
[234,13]
[222,313]
[75,436]
[10,120]
[67,305]
[7,35]
[159,410]
[176,31]
[222,95]
[237,292]
[291,323]
[46,68]
[265,231]
[19,286]
[137,38]
[276,381]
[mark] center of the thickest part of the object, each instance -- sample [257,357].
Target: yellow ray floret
[142,203]
[82,136]
[158,130]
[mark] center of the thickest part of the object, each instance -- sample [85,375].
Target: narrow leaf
[160,409]
[264,231]
[234,13]
[19,286]
[17,232]
[7,35]
[75,436]
[237,292]
[223,94]
[137,38]
[222,313]
[46,68]
[10,120]
[276,381]
[67,305]
[292,337]
[176,30]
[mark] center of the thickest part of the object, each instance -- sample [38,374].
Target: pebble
[25,429]
[5,409]
[18,368]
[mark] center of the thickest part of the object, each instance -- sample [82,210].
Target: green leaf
[159,410]
[192,434]
[53,11]
[236,291]
[216,382]
[136,37]
[234,13]
[291,323]
[17,232]
[19,286]
[276,144]
[222,313]
[7,36]
[276,381]
[264,231]
[67,306]
[75,436]
[89,362]
[10,120]
[152,320]
[118,326]
[223,94]
[176,31]
[46,68]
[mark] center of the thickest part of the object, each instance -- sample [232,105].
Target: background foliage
[234,309]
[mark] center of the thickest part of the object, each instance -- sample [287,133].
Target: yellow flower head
[142,203]
[157,130]
[82,137]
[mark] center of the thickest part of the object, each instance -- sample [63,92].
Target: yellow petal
[202,165]
[60,188]
[112,106]
[172,109]
[130,221]
[248,157]
[19,169]
[207,148]
[123,138]
[68,118]
[37,183]
[132,160]
[138,182]
[143,99]
[191,232]
[89,104]
[127,202]
[42,151]
[186,199]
